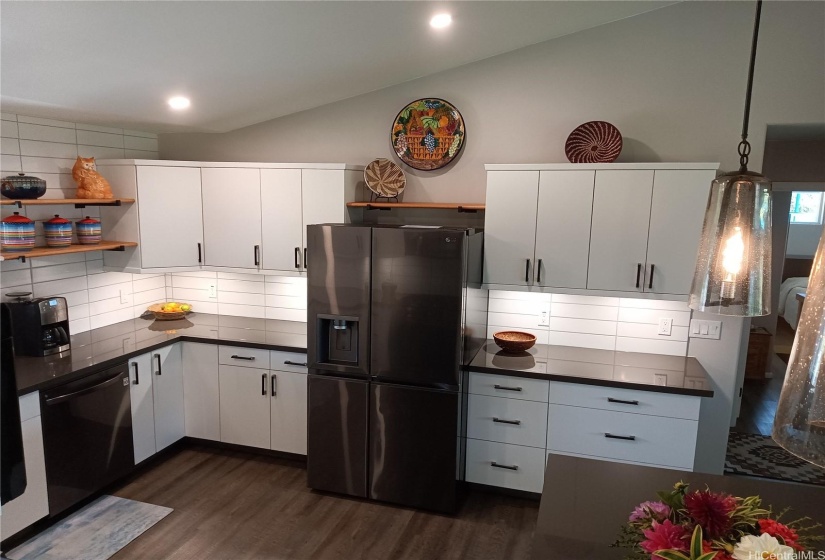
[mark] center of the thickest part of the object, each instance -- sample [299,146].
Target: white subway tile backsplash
[140,133]
[142,284]
[95,128]
[140,154]
[586,300]
[9,146]
[654,304]
[94,138]
[8,117]
[16,277]
[600,312]
[282,314]
[94,267]
[652,316]
[104,306]
[600,342]
[286,302]
[80,311]
[109,278]
[283,289]
[141,143]
[648,346]
[525,296]
[193,283]
[47,133]
[256,311]
[243,286]
[189,295]
[240,298]
[100,152]
[148,297]
[59,272]
[517,306]
[513,320]
[77,326]
[57,259]
[583,326]
[47,149]
[46,122]
[111,317]
[110,291]
[645,330]
[10,164]
[32,164]
[9,129]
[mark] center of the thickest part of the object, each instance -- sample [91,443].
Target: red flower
[711,511]
[782,532]
[665,536]
[720,554]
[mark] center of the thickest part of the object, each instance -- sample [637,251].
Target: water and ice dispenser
[337,340]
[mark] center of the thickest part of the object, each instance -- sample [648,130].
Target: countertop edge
[592,381]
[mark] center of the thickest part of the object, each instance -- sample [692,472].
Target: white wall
[672,80]
[803,239]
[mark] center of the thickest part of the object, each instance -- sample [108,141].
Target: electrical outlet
[660,379]
[544,318]
[665,326]
[213,291]
[124,297]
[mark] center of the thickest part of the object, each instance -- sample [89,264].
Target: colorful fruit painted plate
[593,142]
[384,178]
[428,134]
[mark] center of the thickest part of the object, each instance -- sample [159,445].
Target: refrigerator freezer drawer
[337,435]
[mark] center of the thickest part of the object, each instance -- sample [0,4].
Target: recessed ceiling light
[179,102]
[440,21]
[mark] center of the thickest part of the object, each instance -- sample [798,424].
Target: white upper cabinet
[510,227]
[618,236]
[676,215]
[232,216]
[323,197]
[282,223]
[563,228]
[171,223]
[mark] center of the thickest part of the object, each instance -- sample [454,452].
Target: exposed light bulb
[440,21]
[179,102]
[734,252]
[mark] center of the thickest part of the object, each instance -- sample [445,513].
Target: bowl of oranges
[170,310]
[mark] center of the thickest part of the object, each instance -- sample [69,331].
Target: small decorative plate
[385,178]
[594,142]
[428,134]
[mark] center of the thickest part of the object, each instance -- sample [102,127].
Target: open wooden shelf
[78,202]
[421,205]
[52,251]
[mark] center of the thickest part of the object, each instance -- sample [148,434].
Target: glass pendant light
[799,425]
[733,269]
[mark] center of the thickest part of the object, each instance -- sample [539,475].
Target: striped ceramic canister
[58,232]
[88,231]
[17,233]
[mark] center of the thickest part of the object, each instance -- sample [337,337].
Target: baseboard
[244,448]
[504,491]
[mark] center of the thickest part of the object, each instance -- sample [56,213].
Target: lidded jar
[22,186]
[88,231]
[17,233]
[58,232]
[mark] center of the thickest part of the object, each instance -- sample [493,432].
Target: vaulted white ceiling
[242,63]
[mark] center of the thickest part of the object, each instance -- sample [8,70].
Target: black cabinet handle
[650,285]
[297,257]
[306,264]
[508,467]
[638,273]
[248,358]
[627,438]
[257,256]
[160,371]
[527,271]
[289,363]
[137,374]
[263,384]
[506,388]
[620,401]
[538,272]
[502,421]
[200,255]
[272,389]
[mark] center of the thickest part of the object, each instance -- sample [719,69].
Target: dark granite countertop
[107,346]
[629,370]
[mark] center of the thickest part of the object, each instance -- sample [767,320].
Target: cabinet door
[171,223]
[322,195]
[282,239]
[201,401]
[676,215]
[563,228]
[232,216]
[244,405]
[618,235]
[510,227]
[288,412]
[143,406]
[167,387]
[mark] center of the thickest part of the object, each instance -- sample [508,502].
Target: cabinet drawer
[244,357]
[494,385]
[286,361]
[625,400]
[507,420]
[504,465]
[621,436]
[29,406]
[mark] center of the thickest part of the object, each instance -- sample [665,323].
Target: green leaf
[707,556]
[670,555]
[429,122]
[405,114]
[696,542]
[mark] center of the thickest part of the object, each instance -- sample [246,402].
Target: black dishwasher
[87,435]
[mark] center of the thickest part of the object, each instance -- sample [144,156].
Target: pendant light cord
[744,145]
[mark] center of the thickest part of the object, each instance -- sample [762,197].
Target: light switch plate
[705,329]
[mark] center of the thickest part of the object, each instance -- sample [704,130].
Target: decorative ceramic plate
[385,178]
[428,134]
[594,142]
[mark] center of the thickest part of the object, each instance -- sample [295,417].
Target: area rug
[758,455]
[95,532]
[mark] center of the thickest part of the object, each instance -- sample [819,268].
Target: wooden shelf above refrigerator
[469,207]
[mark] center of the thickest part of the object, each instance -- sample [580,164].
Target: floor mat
[758,455]
[96,532]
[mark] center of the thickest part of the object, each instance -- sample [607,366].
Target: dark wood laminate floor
[234,505]
[759,401]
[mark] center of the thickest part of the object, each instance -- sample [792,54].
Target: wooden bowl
[167,315]
[514,341]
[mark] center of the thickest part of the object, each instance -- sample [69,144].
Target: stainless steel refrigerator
[388,336]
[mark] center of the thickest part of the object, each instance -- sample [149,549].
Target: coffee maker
[40,326]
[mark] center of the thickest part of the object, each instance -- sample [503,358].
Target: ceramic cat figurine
[90,183]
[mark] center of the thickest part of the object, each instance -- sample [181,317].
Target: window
[806,207]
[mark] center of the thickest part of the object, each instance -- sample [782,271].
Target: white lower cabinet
[33,504]
[201,391]
[507,420]
[244,408]
[143,407]
[288,412]
[509,466]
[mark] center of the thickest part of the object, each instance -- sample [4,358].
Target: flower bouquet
[704,525]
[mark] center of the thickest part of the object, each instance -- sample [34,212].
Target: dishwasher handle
[67,396]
